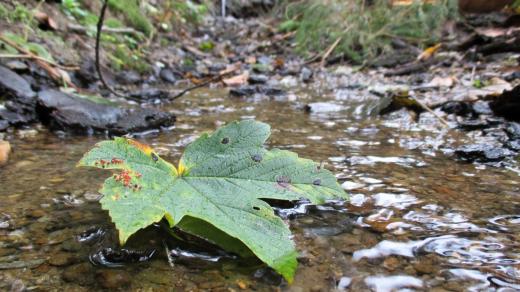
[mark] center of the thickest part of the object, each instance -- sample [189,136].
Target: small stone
[513,145]
[513,130]
[92,196]
[305,74]
[61,259]
[36,213]
[482,153]
[17,66]
[425,266]
[391,263]
[257,79]
[453,286]
[242,284]
[17,286]
[71,245]
[289,81]
[5,149]
[344,283]
[3,125]
[113,279]
[167,75]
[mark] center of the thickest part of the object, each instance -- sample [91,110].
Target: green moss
[206,46]
[132,13]
[21,14]
[33,47]
[3,11]
[124,58]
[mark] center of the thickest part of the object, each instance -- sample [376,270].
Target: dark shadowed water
[417,219]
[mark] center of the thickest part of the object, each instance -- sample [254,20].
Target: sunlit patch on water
[393,283]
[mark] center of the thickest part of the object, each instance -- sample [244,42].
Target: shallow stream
[417,218]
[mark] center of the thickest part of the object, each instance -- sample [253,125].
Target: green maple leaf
[216,190]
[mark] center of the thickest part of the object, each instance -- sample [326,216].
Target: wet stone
[71,245]
[513,145]
[17,66]
[113,279]
[425,265]
[482,108]
[391,263]
[149,94]
[5,150]
[21,99]
[306,74]
[129,77]
[513,130]
[61,259]
[251,90]
[471,125]
[258,79]
[91,235]
[36,213]
[68,112]
[507,105]
[109,257]
[3,125]
[457,107]
[80,274]
[482,153]
[167,75]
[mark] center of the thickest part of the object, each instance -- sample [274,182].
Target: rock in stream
[73,113]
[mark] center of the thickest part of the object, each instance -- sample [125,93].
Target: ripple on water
[372,160]
[398,201]
[451,221]
[506,222]
[459,250]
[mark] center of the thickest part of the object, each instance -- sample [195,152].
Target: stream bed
[418,219]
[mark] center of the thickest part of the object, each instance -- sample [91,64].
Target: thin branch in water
[98,41]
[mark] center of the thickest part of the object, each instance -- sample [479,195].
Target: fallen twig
[98,41]
[412,67]
[53,72]
[34,57]
[427,108]
[128,30]
[202,84]
[330,50]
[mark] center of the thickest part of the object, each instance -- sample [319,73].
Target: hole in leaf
[154,157]
[317,182]
[225,140]
[256,158]
[256,208]
[283,179]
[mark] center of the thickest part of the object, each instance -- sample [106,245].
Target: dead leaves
[45,22]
